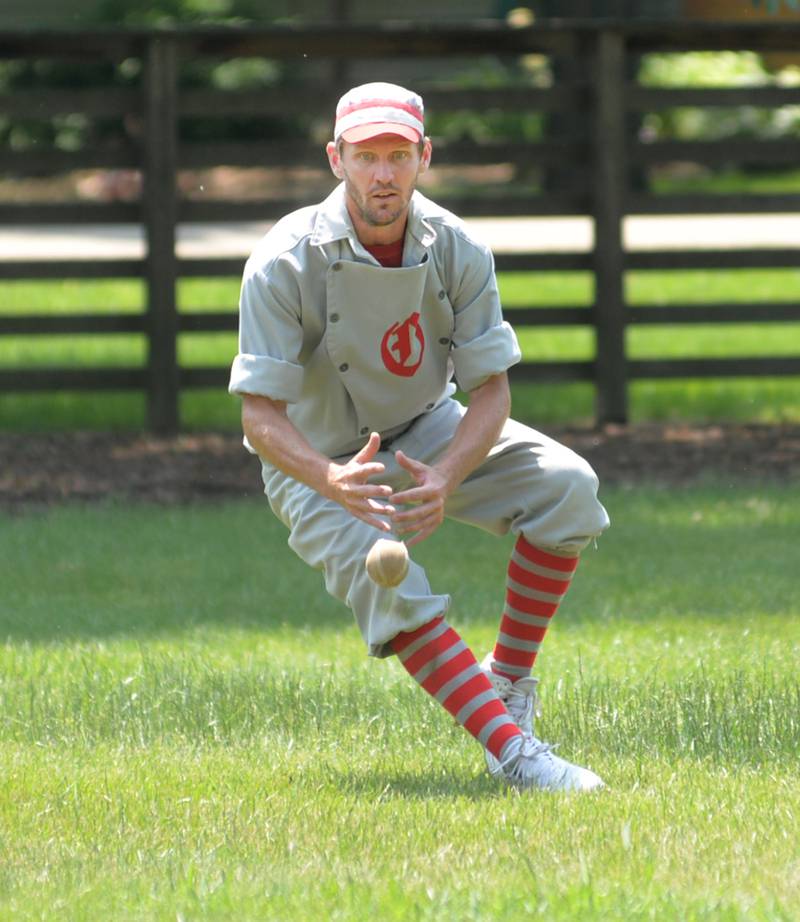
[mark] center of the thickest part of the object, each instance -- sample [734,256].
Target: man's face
[380,176]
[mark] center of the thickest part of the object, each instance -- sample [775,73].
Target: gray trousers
[529,484]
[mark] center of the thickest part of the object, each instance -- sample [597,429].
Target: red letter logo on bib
[402,347]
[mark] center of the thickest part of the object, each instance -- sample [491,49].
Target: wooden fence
[587,158]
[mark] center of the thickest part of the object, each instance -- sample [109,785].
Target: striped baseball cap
[379,108]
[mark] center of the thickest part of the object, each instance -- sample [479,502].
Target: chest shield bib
[388,335]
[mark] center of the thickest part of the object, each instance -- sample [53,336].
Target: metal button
[334,318]
[336,267]
[442,295]
[430,406]
[444,341]
[344,366]
[364,430]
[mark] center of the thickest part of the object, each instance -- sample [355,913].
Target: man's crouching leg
[439,660]
[329,539]
[547,495]
[407,620]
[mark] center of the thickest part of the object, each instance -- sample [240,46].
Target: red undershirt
[389,255]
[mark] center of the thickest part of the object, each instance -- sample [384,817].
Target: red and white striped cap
[379,108]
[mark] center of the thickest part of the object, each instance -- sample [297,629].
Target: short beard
[379,219]
[369,215]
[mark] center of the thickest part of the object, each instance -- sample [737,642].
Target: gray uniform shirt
[353,347]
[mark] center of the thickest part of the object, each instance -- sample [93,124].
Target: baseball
[387,562]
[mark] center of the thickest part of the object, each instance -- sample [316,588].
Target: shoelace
[530,748]
[523,708]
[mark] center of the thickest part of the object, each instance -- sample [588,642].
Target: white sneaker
[535,766]
[521,701]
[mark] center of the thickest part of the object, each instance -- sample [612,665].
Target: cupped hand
[348,485]
[426,500]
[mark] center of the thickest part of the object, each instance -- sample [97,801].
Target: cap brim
[365,132]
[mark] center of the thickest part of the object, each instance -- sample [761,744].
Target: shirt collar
[333,222]
[420,233]
[418,225]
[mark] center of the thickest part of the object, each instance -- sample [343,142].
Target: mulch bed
[41,470]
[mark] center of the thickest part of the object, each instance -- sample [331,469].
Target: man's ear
[425,159]
[334,160]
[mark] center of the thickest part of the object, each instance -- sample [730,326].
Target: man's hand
[347,485]
[427,499]
[478,431]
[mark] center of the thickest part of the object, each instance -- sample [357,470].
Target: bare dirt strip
[40,470]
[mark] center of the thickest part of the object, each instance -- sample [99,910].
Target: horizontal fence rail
[569,148]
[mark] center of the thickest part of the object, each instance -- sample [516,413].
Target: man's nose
[384,171]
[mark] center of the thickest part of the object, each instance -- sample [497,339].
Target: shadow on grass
[381,786]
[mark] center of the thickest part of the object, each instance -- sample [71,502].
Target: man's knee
[572,515]
[573,476]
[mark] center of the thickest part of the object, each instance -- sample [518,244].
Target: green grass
[760,400]
[189,727]
[728,181]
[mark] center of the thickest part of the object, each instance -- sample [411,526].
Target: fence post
[608,193]
[160,218]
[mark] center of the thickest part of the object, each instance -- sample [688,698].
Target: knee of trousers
[380,613]
[572,515]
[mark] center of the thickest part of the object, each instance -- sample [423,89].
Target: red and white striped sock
[439,660]
[537,582]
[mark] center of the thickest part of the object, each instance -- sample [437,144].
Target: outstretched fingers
[368,452]
[420,528]
[424,501]
[364,501]
[351,486]
[369,494]
[416,468]
[412,495]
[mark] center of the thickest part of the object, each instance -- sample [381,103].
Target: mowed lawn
[190,730]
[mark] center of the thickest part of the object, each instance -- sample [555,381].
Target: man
[356,315]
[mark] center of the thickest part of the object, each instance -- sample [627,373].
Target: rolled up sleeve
[270,337]
[260,374]
[483,343]
[489,354]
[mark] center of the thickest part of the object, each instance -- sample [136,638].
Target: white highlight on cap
[379,108]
